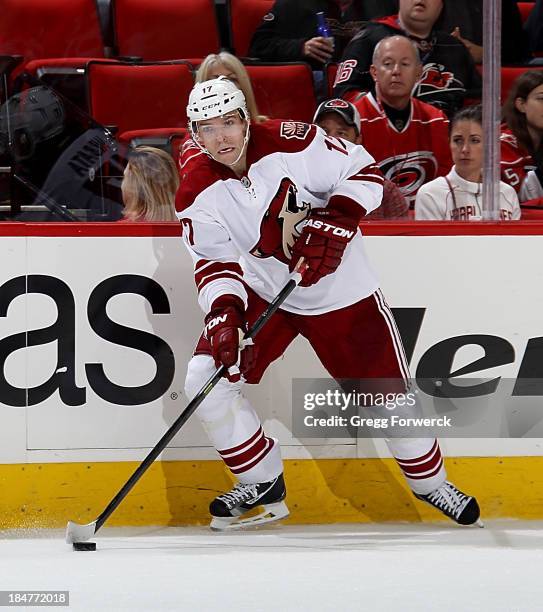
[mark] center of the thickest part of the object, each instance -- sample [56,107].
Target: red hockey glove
[224,328]
[324,239]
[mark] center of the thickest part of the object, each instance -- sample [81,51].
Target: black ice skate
[227,509]
[453,503]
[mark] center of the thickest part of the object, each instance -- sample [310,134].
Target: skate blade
[479,523]
[270,514]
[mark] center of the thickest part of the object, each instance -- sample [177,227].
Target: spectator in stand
[458,196]
[409,139]
[288,33]
[522,136]
[464,20]
[448,72]
[149,185]
[228,65]
[340,119]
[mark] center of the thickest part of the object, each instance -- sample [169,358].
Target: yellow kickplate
[318,491]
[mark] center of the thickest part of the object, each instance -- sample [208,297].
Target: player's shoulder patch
[294,129]
[278,136]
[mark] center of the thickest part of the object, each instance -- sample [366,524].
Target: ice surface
[335,568]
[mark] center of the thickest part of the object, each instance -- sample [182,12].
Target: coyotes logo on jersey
[281,224]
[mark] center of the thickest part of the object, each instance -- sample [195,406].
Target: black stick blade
[84,545]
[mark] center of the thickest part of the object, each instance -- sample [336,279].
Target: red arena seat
[525,9]
[168,139]
[36,29]
[532,210]
[245,17]
[330,71]
[166,29]
[284,91]
[50,33]
[139,96]
[510,74]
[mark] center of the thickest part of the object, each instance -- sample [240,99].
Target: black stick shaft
[184,416]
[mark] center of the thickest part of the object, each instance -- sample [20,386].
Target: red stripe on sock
[421,458]
[423,476]
[422,467]
[270,443]
[238,461]
[243,445]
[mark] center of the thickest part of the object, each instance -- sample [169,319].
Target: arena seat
[330,72]
[284,91]
[165,29]
[245,16]
[42,31]
[176,140]
[525,9]
[510,74]
[139,96]
[168,139]
[532,210]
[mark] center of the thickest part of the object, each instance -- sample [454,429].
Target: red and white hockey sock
[257,459]
[421,462]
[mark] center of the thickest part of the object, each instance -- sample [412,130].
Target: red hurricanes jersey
[242,231]
[417,154]
[515,162]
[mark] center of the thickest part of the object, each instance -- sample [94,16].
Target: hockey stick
[76,532]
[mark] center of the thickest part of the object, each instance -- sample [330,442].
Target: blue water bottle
[322,27]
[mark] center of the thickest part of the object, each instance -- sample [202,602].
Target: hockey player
[253,201]
[408,138]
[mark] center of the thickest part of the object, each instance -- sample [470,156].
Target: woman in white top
[458,196]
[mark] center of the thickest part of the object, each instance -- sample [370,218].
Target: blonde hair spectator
[149,185]
[228,65]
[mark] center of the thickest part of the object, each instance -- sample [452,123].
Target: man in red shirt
[408,138]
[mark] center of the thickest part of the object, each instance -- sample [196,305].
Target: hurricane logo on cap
[336,104]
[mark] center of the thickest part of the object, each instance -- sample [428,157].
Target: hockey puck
[84,545]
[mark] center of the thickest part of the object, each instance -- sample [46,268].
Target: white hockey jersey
[242,230]
[452,198]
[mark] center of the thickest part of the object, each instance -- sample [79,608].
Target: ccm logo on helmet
[209,106]
[333,229]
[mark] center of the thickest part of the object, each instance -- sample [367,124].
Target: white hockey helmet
[215,98]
